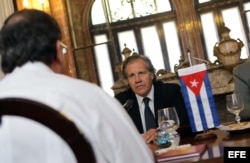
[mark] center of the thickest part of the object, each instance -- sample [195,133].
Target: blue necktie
[149,117]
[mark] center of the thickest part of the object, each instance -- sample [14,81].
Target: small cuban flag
[198,97]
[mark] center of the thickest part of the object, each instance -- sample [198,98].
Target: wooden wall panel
[189,29]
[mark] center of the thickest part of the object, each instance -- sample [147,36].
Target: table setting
[180,143]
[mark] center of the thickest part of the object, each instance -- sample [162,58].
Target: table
[215,147]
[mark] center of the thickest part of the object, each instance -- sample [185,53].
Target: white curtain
[6,8]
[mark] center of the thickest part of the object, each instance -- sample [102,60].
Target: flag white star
[194,83]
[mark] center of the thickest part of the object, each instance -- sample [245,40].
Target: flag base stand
[205,136]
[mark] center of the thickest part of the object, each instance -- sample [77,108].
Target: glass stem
[237,118]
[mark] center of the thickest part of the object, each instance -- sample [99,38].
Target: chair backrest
[54,120]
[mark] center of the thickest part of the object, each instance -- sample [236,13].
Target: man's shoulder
[160,84]
[242,67]
[124,93]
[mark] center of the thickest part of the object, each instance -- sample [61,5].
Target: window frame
[159,19]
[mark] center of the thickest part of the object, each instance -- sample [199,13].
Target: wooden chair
[54,120]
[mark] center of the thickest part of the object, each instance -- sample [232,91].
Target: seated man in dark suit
[140,74]
[242,86]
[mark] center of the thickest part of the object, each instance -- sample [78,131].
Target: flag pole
[189,59]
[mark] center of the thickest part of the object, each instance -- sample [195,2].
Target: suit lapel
[135,114]
[158,102]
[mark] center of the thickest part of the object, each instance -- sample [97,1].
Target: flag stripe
[191,70]
[202,113]
[208,114]
[211,113]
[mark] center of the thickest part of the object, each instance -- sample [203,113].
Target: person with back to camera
[32,60]
[242,86]
[140,74]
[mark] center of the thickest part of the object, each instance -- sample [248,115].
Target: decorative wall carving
[228,50]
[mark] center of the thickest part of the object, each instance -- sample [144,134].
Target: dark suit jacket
[165,95]
[242,86]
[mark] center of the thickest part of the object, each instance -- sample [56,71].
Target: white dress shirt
[99,116]
[142,106]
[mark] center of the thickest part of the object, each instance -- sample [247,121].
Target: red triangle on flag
[194,81]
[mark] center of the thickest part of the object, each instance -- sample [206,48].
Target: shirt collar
[150,95]
[32,66]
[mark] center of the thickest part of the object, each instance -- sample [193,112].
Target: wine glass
[235,105]
[169,122]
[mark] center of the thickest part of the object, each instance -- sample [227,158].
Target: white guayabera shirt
[99,116]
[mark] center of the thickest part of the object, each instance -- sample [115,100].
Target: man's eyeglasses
[64,48]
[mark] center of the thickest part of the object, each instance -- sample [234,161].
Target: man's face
[139,78]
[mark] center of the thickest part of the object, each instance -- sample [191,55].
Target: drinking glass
[234,105]
[169,122]
[168,119]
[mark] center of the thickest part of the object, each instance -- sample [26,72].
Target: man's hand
[150,135]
